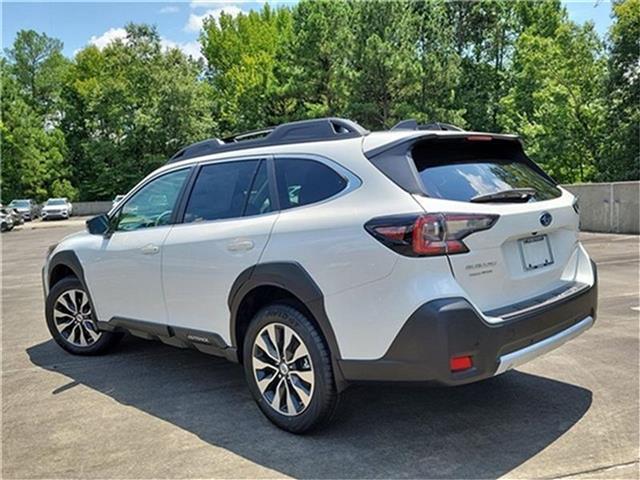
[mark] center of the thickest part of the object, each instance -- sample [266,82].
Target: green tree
[318,63]
[34,160]
[128,108]
[242,54]
[385,63]
[556,100]
[38,65]
[33,153]
[484,36]
[621,156]
[439,64]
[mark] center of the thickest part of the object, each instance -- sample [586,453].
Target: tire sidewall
[294,319]
[71,283]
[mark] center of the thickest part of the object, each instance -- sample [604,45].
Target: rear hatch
[526,251]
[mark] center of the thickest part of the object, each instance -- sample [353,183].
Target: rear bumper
[524,355]
[450,327]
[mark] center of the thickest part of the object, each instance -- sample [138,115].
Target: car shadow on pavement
[482,430]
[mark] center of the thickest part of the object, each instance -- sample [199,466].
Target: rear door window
[221,191]
[459,169]
[304,181]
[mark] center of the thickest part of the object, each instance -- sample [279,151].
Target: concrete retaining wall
[90,208]
[608,207]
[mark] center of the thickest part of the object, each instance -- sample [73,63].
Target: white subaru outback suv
[317,254]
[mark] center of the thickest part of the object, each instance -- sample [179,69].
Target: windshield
[463,170]
[56,201]
[19,203]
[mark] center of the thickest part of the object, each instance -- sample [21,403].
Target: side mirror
[98,225]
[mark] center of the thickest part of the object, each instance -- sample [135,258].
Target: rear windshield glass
[459,169]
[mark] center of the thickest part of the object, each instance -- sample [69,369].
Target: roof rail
[412,124]
[316,130]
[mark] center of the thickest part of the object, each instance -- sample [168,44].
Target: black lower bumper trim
[450,327]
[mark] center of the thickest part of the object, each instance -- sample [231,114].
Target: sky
[79,23]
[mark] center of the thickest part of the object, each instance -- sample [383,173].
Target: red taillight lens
[429,234]
[458,364]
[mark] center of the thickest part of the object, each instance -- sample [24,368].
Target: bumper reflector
[458,364]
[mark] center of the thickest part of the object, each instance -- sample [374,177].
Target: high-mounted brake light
[479,138]
[429,234]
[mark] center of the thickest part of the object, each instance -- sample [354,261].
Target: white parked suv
[318,254]
[57,208]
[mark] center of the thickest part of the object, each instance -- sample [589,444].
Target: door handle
[150,249]
[240,245]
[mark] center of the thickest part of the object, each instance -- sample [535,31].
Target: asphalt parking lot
[152,411]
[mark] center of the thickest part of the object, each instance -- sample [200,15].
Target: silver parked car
[27,207]
[57,208]
[6,220]
[14,214]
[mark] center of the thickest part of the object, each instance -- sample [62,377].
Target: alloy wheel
[283,369]
[73,318]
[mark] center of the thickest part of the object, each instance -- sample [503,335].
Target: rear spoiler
[395,161]
[424,135]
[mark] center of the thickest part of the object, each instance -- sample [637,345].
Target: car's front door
[124,273]
[227,222]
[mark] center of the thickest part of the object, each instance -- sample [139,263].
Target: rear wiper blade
[511,195]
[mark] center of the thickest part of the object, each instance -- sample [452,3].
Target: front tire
[288,369]
[71,320]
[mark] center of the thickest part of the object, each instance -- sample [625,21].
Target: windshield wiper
[516,195]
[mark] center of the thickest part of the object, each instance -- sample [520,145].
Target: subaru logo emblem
[546,219]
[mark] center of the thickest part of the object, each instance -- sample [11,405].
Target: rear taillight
[429,234]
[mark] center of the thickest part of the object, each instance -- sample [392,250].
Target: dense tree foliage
[129,107]
[91,126]
[621,149]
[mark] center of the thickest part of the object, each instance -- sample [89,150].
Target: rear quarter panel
[352,269]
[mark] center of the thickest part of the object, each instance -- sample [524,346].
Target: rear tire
[288,369]
[71,320]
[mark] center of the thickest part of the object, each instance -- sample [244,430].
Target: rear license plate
[536,252]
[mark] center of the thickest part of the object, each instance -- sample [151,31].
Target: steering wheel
[162,215]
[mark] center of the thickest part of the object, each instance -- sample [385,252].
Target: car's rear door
[228,217]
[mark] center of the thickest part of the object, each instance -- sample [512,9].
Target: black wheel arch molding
[68,260]
[294,279]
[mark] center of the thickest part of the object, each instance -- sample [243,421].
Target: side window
[153,204]
[302,181]
[221,191]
